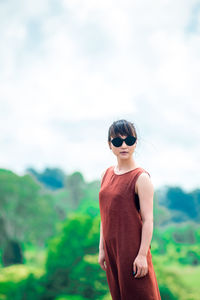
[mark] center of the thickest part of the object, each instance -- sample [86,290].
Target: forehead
[119,135]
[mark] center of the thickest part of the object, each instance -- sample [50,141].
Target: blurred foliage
[183,206]
[51,178]
[24,208]
[67,270]
[69,297]
[19,280]
[50,222]
[12,253]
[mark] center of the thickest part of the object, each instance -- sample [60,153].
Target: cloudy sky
[68,69]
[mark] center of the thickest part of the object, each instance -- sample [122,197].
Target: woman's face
[124,151]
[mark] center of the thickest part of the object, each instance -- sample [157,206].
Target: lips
[124,152]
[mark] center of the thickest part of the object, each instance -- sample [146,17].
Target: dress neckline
[125,172]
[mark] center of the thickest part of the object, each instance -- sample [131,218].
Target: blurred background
[68,69]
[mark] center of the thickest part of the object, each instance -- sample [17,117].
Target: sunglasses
[129,140]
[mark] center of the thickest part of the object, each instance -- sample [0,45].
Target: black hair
[122,127]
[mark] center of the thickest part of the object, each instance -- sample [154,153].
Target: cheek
[132,149]
[115,151]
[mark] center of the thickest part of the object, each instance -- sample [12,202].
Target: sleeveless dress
[122,228]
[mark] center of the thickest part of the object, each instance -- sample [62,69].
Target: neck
[126,164]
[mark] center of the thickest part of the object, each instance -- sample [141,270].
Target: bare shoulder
[144,183]
[103,174]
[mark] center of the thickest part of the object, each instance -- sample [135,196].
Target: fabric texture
[122,228]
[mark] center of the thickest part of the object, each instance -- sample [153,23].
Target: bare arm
[101,239]
[145,192]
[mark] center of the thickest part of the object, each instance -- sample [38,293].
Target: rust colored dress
[122,228]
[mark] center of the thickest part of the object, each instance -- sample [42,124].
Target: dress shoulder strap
[139,172]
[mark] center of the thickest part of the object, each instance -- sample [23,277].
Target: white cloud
[100,60]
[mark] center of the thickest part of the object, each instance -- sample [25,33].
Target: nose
[123,144]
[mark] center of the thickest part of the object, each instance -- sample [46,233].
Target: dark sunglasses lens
[117,142]
[130,140]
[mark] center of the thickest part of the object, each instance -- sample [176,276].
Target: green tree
[68,271]
[24,210]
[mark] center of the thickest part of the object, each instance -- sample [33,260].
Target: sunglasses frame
[125,140]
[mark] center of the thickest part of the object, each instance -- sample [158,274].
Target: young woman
[126,209]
